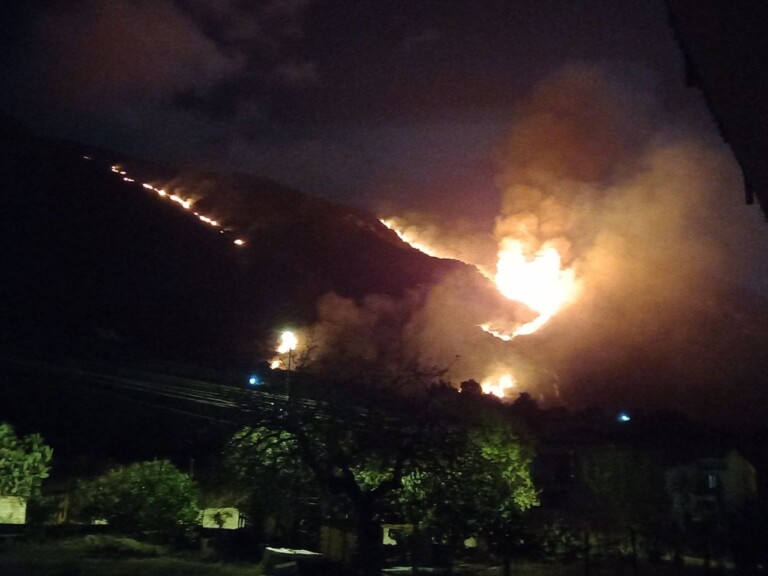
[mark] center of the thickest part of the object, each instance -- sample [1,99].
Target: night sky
[390,105]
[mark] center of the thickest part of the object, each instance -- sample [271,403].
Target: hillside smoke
[648,214]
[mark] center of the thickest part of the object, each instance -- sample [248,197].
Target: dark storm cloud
[264,33]
[180,82]
[298,73]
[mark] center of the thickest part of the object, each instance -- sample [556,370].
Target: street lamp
[287,344]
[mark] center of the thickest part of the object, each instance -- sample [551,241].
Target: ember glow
[496,333]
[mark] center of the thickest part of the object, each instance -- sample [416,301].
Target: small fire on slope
[498,385]
[412,241]
[185,203]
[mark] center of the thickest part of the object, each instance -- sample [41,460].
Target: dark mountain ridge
[94,264]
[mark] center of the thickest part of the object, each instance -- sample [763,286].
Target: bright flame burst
[499,385]
[539,282]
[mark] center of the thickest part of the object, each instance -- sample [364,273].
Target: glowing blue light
[623,417]
[254,380]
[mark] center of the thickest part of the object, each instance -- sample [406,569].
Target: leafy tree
[451,463]
[267,463]
[480,488]
[351,440]
[24,462]
[142,497]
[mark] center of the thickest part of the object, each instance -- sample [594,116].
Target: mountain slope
[95,264]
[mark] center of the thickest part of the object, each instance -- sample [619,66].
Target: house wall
[712,485]
[225,518]
[739,480]
[13,510]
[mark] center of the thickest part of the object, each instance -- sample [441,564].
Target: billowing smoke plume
[577,135]
[433,328]
[647,214]
[650,218]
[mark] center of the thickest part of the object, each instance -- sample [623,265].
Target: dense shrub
[24,463]
[143,497]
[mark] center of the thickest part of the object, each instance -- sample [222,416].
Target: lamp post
[287,345]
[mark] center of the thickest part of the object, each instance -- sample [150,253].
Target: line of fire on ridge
[184,203]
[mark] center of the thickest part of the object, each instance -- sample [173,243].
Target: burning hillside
[617,270]
[614,276]
[175,197]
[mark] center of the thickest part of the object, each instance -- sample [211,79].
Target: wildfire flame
[411,240]
[538,281]
[534,278]
[185,203]
[496,333]
[499,385]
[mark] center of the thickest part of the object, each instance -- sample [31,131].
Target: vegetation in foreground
[120,556]
[107,556]
[331,459]
[24,462]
